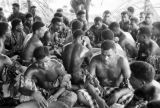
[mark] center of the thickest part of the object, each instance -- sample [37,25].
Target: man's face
[98,24]
[108,55]
[1,13]
[116,30]
[30,20]
[141,38]
[19,27]
[106,17]
[57,26]
[125,18]
[42,31]
[33,11]
[133,25]
[136,83]
[15,9]
[142,17]
[148,18]
[1,44]
[82,17]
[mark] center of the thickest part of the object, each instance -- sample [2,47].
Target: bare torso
[108,75]
[32,44]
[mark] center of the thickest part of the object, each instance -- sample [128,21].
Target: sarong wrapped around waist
[155,62]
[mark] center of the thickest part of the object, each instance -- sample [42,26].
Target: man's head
[106,15]
[98,22]
[60,10]
[142,73]
[59,15]
[144,35]
[134,23]
[125,16]
[17,25]
[115,27]
[15,7]
[40,53]
[149,18]
[77,35]
[156,29]
[142,16]
[76,25]
[29,18]
[3,30]
[108,51]
[39,29]
[107,35]
[56,24]
[1,12]
[81,15]
[33,10]
[130,11]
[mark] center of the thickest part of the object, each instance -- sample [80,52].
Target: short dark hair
[106,12]
[108,44]
[149,13]
[33,7]
[40,52]
[15,22]
[28,15]
[142,13]
[59,10]
[15,5]
[58,14]
[76,25]
[1,9]
[37,25]
[78,33]
[134,19]
[96,19]
[55,20]
[107,35]
[3,28]
[142,70]
[130,9]
[124,13]
[145,30]
[81,12]
[114,25]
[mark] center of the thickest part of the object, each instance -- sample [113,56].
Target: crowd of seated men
[68,64]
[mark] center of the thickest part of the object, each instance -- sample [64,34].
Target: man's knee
[69,98]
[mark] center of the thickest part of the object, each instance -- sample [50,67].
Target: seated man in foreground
[147,90]
[111,70]
[46,82]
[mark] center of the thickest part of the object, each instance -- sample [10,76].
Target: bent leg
[69,98]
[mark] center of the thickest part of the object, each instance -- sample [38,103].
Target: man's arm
[126,72]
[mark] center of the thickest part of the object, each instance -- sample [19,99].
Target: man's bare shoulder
[96,58]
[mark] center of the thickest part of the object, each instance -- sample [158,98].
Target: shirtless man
[148,47]
[48,75]
[111,70]
[38,29]
[125,40]
[147,90]
[4,60]
[73,57]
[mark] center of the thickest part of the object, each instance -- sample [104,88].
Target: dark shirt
[17,15]
[14,43]
[134,34]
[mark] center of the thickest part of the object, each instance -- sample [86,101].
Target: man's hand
[40,99]
[52,98]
